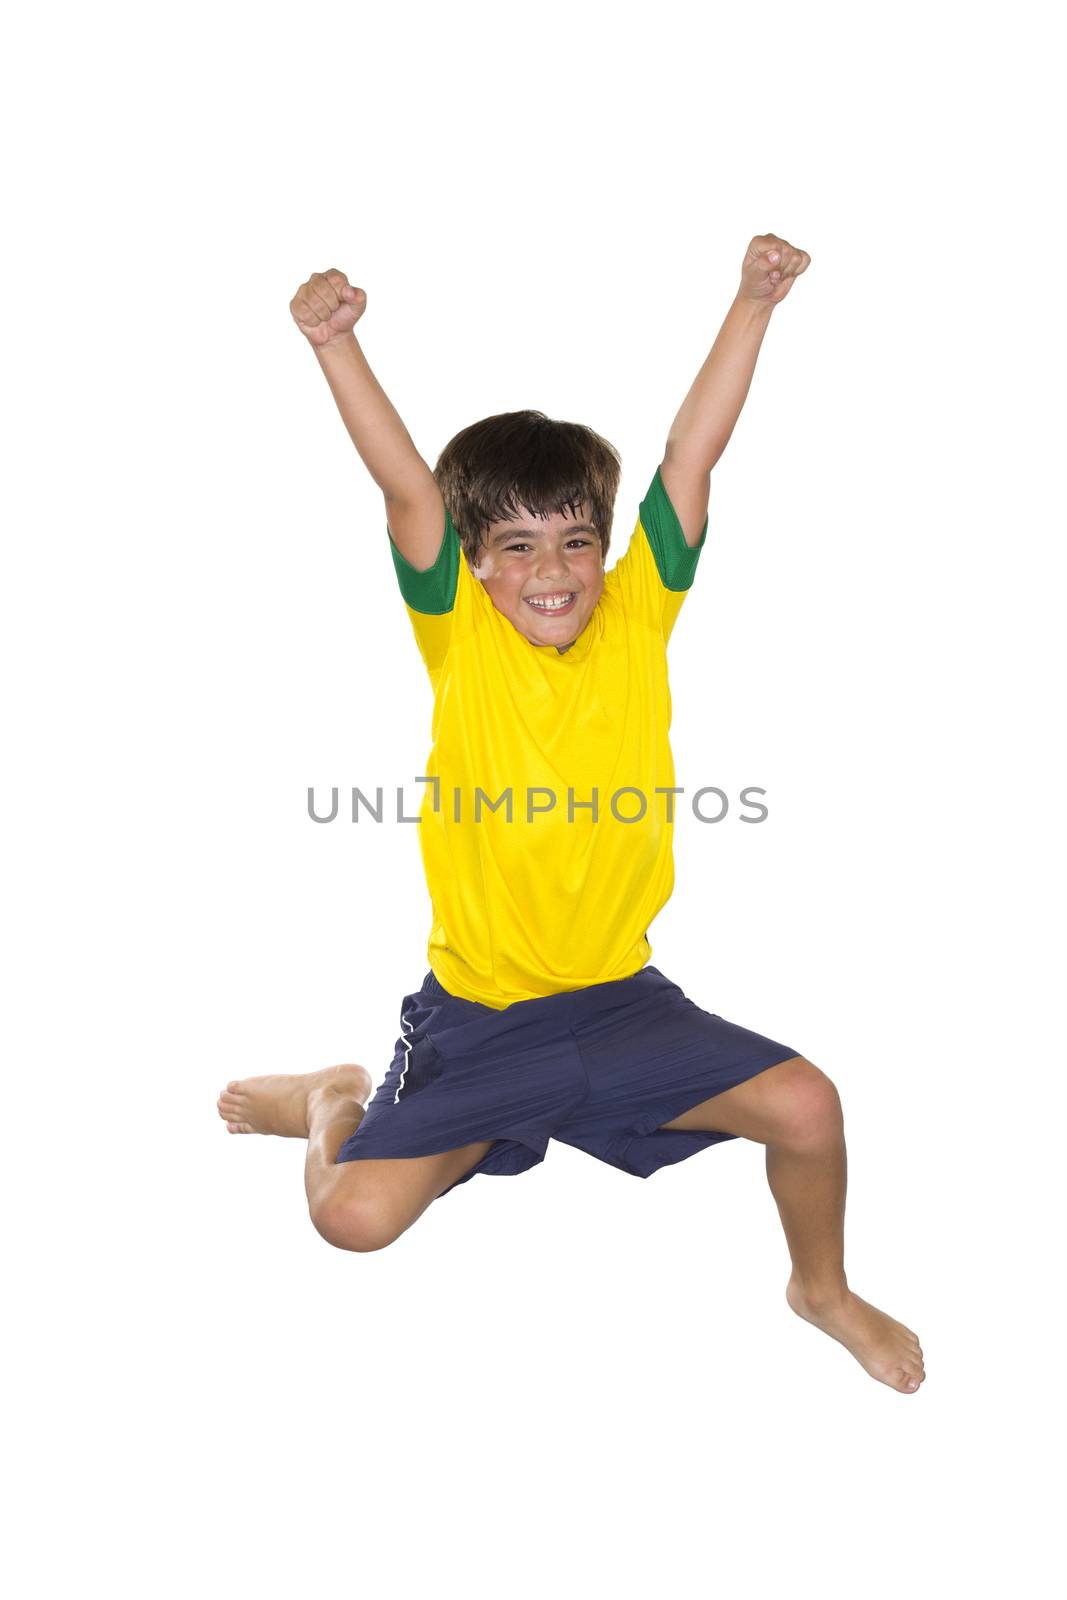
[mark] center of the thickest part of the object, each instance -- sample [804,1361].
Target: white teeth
[551,605]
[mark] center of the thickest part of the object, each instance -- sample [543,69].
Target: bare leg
[808,1185]
[808,1182]
[794,1110]
[333,1115]
[355,1205]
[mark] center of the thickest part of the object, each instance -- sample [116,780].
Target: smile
[552,602]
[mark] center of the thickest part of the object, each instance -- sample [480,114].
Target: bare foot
[883,1347]
[279,1104]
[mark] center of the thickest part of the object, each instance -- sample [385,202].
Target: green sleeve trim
[676,561]
[432,591]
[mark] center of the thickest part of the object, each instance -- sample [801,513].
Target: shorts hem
[520,1153]
[680,1103]
[683,1142]
[519,1156]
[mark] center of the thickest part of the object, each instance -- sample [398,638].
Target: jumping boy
[546,835]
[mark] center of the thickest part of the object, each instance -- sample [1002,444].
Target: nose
[551,564]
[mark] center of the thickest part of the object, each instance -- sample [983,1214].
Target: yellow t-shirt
[553,897]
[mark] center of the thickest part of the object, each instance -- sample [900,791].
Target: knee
[810,1110]
[354,1224]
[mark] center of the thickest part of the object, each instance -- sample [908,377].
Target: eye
[578,539]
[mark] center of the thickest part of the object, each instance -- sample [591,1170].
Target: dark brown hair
[490,470]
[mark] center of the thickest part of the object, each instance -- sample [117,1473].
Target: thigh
[374,1200]
[762,1108]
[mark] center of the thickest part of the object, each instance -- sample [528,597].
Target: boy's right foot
[279,1104]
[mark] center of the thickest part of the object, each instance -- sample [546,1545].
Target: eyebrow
[538,533]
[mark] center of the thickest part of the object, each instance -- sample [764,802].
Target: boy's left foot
[883,1347]
[279,1103]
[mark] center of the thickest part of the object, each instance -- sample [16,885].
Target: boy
[546,838]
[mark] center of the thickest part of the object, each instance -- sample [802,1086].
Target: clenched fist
[770,269]
[327,307]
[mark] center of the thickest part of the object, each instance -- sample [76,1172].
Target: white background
[570,1381]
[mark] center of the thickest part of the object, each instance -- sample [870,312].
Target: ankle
[325,1104]
[819,1294]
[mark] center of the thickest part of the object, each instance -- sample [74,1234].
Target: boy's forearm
[374,426]
[701,430]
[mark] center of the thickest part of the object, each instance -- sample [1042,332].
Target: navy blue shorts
[597,1068]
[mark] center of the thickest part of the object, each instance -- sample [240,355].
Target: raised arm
[326,309]
[701,430]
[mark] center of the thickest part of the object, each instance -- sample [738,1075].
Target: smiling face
[545,574]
